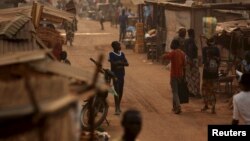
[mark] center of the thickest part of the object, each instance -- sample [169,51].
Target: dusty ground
[147,89]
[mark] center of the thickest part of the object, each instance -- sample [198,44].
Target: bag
[183,91]
[212,66]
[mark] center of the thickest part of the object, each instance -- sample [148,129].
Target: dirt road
[147,89]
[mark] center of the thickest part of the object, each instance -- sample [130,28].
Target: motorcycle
[99,103]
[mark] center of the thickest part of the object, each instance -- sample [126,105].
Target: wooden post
[36,13]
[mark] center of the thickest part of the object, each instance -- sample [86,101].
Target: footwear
[204,108]
[117,112]
[198,96]
[177,111]
[120,110]
[191,95]
[213,110]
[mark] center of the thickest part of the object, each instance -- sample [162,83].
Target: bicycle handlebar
[102,70]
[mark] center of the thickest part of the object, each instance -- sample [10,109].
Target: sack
[183,91]
[212,66]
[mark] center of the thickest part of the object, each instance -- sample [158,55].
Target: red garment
[177,58]
[57,49]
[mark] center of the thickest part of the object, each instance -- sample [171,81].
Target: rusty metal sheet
[22,57]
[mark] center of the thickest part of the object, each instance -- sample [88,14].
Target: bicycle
[99,104]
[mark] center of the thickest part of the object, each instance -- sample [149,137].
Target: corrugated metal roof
[49,11]
[18,35]
[9,29]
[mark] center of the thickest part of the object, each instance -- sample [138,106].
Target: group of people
[119,15]
[184,66]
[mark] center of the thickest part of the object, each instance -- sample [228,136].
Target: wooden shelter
[35,98]
[39,11]
[18,34]
[41,14]
[234,36]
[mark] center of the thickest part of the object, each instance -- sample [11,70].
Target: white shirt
[241,104]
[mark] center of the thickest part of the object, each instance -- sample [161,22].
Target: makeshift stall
[156,21]
[234,39]
[18,34]
[139,43]
[42,16]
[189,15]
[234,36]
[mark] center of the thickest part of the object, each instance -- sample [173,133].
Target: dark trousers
[122,33]
[175,87]
[118,85]
[101,22]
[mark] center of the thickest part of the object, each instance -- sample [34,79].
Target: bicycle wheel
[100,113]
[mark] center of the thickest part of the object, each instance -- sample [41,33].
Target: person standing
[69,29]
[101,19]
[192,72]
[123,21]
[244,65]
[118,62]
[181,37]
[177,58]
[211,61]
[132,124]
[112,13]
[241,101]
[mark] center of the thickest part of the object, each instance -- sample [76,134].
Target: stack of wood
[139,45]
[52,39]
[49,36]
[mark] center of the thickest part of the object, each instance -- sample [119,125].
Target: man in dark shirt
[211,60]
[123,21]
[118,61]
[181,37]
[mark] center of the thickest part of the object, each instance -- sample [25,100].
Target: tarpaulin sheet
[175,20]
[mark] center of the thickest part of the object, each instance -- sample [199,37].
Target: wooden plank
[63,69]
[48,107]
[21,57]
[52,18]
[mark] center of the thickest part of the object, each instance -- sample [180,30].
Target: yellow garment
[209,26]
